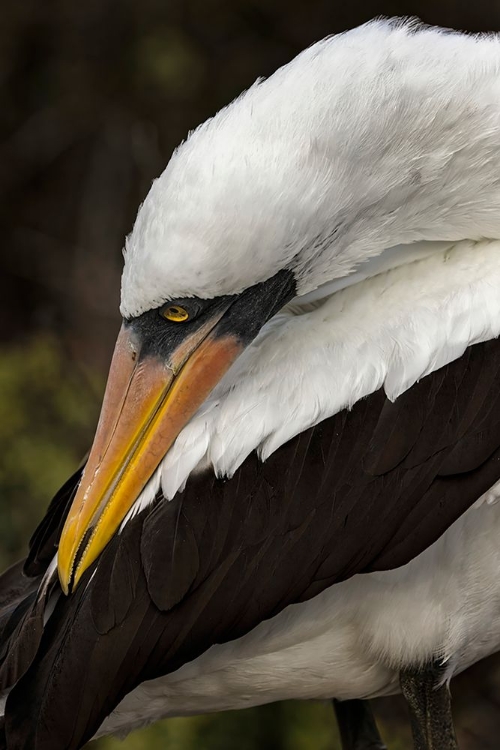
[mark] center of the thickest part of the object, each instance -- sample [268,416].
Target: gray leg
[357,727]
[430,709]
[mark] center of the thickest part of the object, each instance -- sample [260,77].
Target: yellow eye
[175,313]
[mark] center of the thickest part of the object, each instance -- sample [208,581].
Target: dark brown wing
[21,603]
[368,489]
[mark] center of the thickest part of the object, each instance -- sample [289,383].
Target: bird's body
[267,435]
[345,642]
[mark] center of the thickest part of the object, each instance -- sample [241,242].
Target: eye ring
[175,313]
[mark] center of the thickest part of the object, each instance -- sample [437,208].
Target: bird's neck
[413,154]
[448,193]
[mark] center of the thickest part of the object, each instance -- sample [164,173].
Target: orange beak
[152,392]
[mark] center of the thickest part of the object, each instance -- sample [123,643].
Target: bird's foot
[430,708]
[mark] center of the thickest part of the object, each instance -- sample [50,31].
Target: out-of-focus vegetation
[285,726]
[48,411]
[95,96]
[282,726]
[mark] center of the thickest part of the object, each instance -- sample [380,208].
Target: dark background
[95,95]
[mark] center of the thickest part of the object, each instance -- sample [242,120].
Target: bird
[292,490]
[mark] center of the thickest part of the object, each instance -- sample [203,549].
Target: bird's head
[227,235]
[291,186]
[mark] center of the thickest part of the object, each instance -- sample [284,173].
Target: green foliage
[292,725]
[280,726]
[48,412]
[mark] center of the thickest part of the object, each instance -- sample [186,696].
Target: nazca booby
[291,493]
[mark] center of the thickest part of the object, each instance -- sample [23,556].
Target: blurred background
[95,96]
